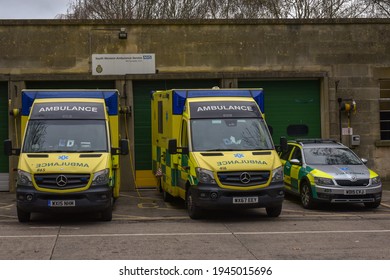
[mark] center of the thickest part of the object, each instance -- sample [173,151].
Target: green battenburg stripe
[174,176]
[168,159]
[158,152]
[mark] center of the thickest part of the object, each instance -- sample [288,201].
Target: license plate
[245,200]
[354,192]
[61,203]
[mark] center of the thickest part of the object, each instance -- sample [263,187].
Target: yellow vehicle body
[212,148]
[69,159]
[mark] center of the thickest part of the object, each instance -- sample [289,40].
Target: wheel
[307,196]
[193,211]
[166,196]
[106,214]
[274,212]
[372,205]
[23,216]
[159,185]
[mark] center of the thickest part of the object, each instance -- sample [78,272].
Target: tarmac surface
[147,205]
[144,227]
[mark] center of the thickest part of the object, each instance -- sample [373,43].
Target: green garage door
[292,107]
[142,120]
[3,135]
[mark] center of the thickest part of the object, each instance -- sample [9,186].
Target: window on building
[384,109]
[297,130]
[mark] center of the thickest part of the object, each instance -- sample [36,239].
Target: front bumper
[339,195]
[94,199]
[209,196]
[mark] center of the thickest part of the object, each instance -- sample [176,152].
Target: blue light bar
[110,97]
[180,96]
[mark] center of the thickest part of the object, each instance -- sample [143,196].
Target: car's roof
[318,143]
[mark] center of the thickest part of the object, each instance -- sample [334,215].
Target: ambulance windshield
[230,135]
[43,136]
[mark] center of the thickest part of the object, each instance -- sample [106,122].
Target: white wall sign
[122,64]
[347,131]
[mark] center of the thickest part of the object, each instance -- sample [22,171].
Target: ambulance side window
[184,134]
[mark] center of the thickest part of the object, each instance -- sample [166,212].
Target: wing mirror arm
[173,149]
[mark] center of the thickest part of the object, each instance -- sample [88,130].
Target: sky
[32,9]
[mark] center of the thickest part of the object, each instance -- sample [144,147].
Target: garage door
[142,121]
[99,84]
[3,135]
[292,107]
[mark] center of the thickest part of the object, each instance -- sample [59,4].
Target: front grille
[61,181]
[349,183]
[240,178]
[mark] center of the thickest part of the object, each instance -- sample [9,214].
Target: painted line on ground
[197,234]
[385,205]
[7,206]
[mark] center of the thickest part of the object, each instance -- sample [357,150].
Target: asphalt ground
[147,205]
[144,227]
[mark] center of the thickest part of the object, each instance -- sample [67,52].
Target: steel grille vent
[347,183]
[244,179]
[61,181]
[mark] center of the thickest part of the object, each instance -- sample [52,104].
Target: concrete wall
[349,56]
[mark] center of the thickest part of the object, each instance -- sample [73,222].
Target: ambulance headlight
[100,177]
[205,176]
[24,178]
[277,174]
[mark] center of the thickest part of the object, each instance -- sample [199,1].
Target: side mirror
[283,144]
[364,160]
[295,161]
[8,150]
[173,149]
[124,147]
[172,146]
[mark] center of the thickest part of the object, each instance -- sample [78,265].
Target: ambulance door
[295,169]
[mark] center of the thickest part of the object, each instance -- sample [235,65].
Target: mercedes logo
[61,181]
[245,178]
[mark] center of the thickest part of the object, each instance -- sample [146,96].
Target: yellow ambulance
[212,148]
[69,158]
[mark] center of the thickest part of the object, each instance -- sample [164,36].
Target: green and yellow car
[321,170]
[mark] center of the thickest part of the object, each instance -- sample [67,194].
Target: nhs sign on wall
[122,64]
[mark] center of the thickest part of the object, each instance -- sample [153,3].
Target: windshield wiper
[219,150]
[91,151]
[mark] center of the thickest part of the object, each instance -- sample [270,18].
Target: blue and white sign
[122,64]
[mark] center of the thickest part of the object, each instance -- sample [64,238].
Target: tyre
[307,196]
[274,212]
[372,205]
[193,211]
[166,196]
[159,185]
[106,215]
[23,216]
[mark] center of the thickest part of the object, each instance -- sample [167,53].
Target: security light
[122,33]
